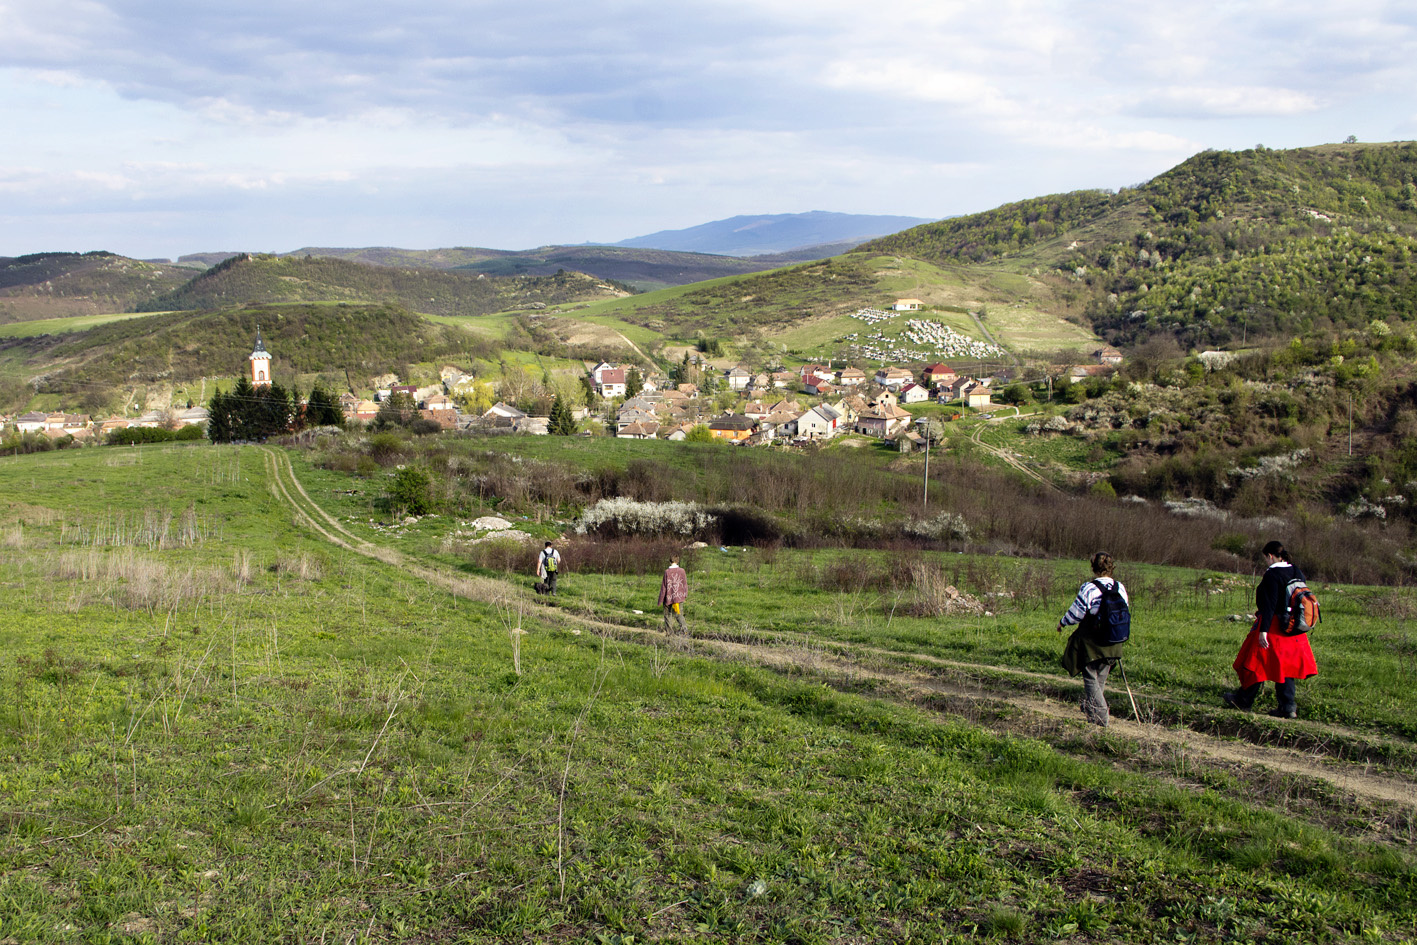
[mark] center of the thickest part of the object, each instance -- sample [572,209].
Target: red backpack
[1303,609]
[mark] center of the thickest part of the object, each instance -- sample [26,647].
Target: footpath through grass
[217,728]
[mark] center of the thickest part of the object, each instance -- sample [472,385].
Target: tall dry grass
[125,578]
[151,528]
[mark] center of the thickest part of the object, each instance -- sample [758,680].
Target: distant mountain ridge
[764,234]
[268,279]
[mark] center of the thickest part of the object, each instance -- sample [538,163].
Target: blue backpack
[1112,624]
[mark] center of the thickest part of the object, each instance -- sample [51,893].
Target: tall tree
[562,423]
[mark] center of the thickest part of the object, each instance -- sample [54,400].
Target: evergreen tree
[323,409]
[562,423]
[232,413]
[272,413]
[219,422]
[634,382]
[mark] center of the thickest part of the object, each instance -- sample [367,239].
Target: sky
[153,129]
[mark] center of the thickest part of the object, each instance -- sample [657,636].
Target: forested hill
[1227,246]
[62,285]
[365,340]
[267,278]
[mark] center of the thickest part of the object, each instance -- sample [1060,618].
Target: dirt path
[1009,458]
[1352,779]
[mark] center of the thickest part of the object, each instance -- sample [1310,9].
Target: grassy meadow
[221,724]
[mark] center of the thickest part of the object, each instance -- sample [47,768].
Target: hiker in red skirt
[1268,654]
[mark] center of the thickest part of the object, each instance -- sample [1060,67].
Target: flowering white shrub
[946,525]
[1281,466]
[629,517]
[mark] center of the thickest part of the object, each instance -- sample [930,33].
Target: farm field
[239,710]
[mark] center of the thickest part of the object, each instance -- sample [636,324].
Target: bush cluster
[623,516]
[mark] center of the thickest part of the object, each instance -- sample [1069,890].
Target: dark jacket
[1272,596]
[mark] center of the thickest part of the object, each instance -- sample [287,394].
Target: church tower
[260,363]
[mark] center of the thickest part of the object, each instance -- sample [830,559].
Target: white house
[908,305]
[819,423]
[913,394]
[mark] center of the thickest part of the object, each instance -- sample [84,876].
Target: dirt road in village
[999,698]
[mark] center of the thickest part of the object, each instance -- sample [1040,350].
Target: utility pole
[925,496]
[1350,423]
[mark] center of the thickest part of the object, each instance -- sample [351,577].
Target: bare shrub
[505,555]
[633,555]
[935,596]
[1399,604]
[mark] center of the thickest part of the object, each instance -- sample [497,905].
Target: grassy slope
[327,748]
[58,326]
[807,307]
[69,285]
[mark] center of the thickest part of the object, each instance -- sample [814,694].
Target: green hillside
[808,307]
[86,368]
[1226,247]
[265,278]
[643,269]
[70,285]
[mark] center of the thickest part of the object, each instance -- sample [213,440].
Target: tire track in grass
[1346,777]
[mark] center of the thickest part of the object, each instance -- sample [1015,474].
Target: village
[740,405]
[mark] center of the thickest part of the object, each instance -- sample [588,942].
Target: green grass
[55,326]
[258,736]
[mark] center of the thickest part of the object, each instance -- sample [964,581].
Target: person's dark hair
[1277,549]
[1102,564]
[548,544]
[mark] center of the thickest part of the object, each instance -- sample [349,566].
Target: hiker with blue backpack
[1102,612]
[1277,648]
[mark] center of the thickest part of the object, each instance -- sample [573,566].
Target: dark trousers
[1283,693]
[551,581]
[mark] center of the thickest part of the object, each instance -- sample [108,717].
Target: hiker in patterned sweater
[1091,650]
[673,592]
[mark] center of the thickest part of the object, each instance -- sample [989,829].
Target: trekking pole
[1135,714]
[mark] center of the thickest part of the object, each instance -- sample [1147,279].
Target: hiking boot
[1232,699]
[1284,713]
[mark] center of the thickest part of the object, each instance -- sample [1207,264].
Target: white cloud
[545,124]
[1226,102]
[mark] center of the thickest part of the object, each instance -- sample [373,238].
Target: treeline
[254,414]
[1009,229]
[267,278]
[770,299]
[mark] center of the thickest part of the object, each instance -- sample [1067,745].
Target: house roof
[640,428]
[612,376]
[732,422]
[500,409]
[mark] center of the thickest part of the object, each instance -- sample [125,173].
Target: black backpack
[1112,624]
